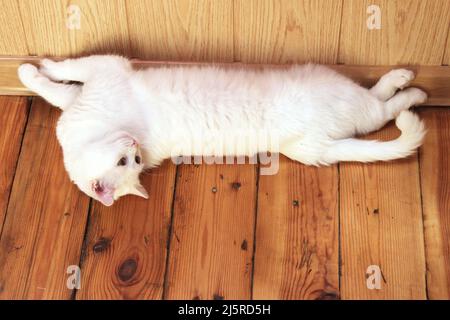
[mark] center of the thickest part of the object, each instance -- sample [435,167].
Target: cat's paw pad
[417,96]
[27,73]
[401,78]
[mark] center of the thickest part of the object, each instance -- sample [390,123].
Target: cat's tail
[413,132]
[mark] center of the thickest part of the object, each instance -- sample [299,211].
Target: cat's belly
[227,142]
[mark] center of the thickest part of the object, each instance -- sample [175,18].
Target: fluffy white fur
[309,113]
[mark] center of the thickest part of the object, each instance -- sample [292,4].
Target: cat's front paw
[28,73]
[48,69]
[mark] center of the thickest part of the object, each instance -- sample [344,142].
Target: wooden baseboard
[435,80]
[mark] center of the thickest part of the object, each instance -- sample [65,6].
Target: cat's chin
[107,202]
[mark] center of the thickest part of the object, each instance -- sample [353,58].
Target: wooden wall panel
[435,180]
[287,31]
[13,40]
[181,30]
[381,225]
[13,117]
[46,216]
[412,32]
[297,233]
[103,27]
[446,58]
[275,31]
[125,253]
[211,246]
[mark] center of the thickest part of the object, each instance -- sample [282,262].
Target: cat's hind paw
[400,78]
[417,95]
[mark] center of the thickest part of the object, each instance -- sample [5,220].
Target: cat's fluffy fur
[309,113]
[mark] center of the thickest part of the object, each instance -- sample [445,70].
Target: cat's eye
[137,159]
[122,161]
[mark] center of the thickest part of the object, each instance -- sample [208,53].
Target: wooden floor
[224,231]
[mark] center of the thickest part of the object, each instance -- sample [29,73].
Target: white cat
[117,120]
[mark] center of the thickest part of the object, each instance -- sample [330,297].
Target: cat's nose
[134,143]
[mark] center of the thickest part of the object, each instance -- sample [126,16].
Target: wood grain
[13,118]
[297,233]
[446,58]
[287,31]
[412,32]
[103,27]
[9,80]
[212,233]
[13,39]
[46,216]
[435,181]
[125,255]
[273,31]
[181,30]
[381,224]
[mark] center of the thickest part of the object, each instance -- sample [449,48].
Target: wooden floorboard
[381,225]
[45,219]
[13,118]
[126,248]
[211,246]
[229,233]
[297,233]
[435,180]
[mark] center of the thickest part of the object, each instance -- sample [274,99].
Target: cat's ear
[104,193]
[139,190]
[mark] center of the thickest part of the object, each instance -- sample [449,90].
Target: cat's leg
[82,69]
[379,113]
[389,83]
[58,94]
[403,100]
[319,150]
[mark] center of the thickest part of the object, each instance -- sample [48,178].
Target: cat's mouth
[104,193]
[97,187]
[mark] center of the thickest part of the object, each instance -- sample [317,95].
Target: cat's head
[106,168]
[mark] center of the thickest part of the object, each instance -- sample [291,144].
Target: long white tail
[413,132]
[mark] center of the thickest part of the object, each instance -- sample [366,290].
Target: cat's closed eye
[122,161]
